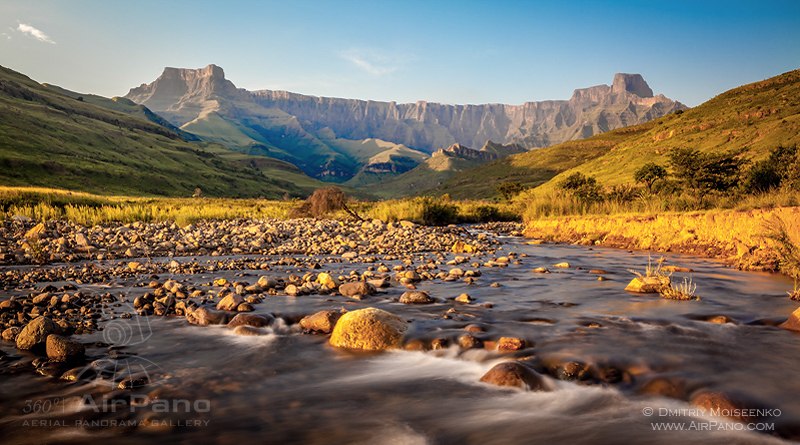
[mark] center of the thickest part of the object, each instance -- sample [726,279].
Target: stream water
[211,386]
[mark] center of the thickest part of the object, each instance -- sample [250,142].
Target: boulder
[322,321]
[203,316]
[793,323]
[357,288]
[416,297]
[514,374]
[62,349]
[230,302]
[369,329]
[35,333]
[258,321]
[647,285]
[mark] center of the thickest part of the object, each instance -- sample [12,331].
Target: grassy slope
[49,138]
[756,117]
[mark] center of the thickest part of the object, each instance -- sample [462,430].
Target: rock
[35,333]
[265,282]
[41,299]
[474,328]
[203,316]
[664,387]
[464,298]
[230,302]
[11,333]
[134,266]
[571,371]
[327,281]
[258,321]
[407,224]
[514,374]
[647,285]
[62,349]
[368,329]
[724,403]
[291,290]
[357,288]
[322,321]
[245,307]
[416,297]
[540,270]
[793,323]
[248,331]
[349,255]
[510,344]
[467,341]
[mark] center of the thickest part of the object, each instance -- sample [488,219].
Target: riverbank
[740,238]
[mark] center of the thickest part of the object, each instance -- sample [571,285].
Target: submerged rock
[369,329]
[514,374]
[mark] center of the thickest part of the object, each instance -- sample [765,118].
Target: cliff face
[426,126]
[289,125]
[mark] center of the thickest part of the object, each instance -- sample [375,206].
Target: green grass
[53,139]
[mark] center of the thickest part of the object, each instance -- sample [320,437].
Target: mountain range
[752,119]
[349,140]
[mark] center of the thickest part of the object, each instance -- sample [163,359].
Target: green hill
[754,118]
[57,138]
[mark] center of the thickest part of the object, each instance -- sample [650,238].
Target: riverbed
[208,385]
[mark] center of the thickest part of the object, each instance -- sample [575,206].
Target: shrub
[325,201]
[438,213]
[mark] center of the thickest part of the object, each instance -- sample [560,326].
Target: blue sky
[445,51]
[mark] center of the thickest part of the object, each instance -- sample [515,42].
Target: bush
[325,201]
[438,214]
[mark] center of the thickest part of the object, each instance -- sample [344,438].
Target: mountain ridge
[289,125]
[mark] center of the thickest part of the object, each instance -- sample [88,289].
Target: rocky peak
[631,83]
[179,88]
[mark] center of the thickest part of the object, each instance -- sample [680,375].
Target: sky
[435,50]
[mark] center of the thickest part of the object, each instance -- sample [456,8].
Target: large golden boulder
[369,329]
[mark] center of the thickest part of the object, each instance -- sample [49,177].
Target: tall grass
[83,208]
[555,203]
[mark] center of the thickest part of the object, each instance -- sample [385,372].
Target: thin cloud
[35,33]
[371,62]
